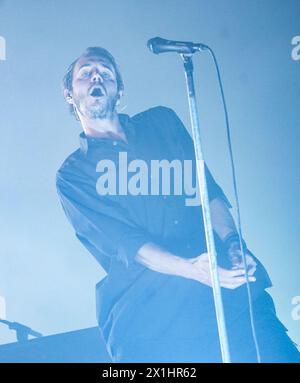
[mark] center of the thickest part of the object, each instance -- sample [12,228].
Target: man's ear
[120,95]
[68,96]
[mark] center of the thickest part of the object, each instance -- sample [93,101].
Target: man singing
[156,302]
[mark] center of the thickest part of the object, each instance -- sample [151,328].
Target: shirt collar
[87,142]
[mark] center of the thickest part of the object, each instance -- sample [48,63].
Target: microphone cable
[227,125]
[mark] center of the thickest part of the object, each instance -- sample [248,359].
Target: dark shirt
[132,299]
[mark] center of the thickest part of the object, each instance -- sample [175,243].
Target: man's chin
[97,112]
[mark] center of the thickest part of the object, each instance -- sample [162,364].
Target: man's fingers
[231,287]
[249,262]
[236,282]
[252,270]
[238,279]
[231,273]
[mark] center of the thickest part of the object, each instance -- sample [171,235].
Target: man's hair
[92,51]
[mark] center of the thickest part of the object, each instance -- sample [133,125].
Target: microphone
[158,45]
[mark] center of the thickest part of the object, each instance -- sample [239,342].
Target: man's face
[95,91]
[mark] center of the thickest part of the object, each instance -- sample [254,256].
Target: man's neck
[104,128]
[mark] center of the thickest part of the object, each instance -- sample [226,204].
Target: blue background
[46,276]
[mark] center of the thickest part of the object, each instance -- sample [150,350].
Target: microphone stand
[22,331]
[200,165]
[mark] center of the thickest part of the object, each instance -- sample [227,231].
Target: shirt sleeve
[103,226]
[177,129]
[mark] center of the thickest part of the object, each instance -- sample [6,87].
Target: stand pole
[200,165]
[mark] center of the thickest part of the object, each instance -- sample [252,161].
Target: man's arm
[157,259]
[221,218]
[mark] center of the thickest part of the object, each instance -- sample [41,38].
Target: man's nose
[96,77]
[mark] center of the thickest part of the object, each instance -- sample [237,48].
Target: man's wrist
[186,269]
[156,258]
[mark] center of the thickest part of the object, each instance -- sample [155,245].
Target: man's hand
[230,279]
[157,259]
